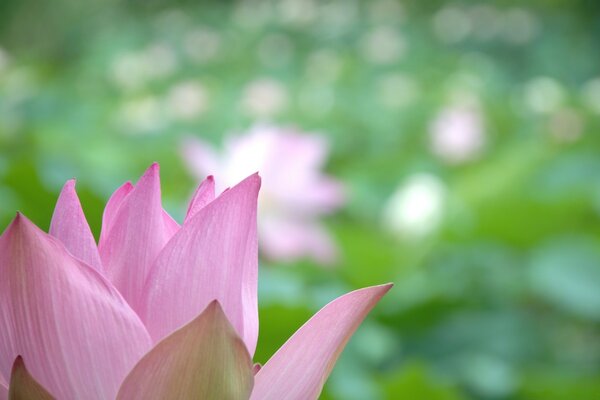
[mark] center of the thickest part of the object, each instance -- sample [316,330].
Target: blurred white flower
[294,194]
[520,26]
[264,97]
[590,94]
[252,15]
[160,60]
[457,134]
[187,100]
[297,12]
[451,24]
[338,16]
[202,45]
[323,66]
[416,208]
[141,116]
[127,71]
[132,70]
[486,21]
[383,45]
[543,95]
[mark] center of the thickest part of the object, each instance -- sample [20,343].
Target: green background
[501,301]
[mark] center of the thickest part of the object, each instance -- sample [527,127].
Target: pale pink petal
[322,195]
[298,370]
[205,359]
[23,386]
[289,239]
[213,256]
[111,208]
[139,231]
[70,227]
[79,336]
[201,157]
[205,193]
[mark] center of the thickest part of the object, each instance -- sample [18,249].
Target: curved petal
[70,227]
[139,231]
[203,195]
[77,333]
[23,386]
[112,207]
[298,370]
[213,256]
[205,359]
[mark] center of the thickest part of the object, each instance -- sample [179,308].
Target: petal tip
[19,223]
[17,364]
[152,171]
[214,307]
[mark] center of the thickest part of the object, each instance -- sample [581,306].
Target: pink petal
[23,386]
[205,359]
[204,195]
[140,228]
[112,206]
[70,227]
[298,370]
[289,239]
[3,392]
[213,256]
[78,335]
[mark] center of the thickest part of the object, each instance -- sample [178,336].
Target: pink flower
[156,310]
[457,134]
[295,191]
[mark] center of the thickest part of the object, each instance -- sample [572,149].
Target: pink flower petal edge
[213,256]
[205,359]
[205,193]
[111,209]
[298,370]
[70,227]
[137,233]
[78,335]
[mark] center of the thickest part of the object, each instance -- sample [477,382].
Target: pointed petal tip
[152,171]
[70,184]
[377,290]
[23,385]
[387,286]
[17,364]
[214,307]
[254,179]
[19,223]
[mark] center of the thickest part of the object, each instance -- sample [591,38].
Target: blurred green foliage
[500,300]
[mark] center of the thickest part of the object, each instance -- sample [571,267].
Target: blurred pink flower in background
[295,191]
[457,134]
[156,310]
